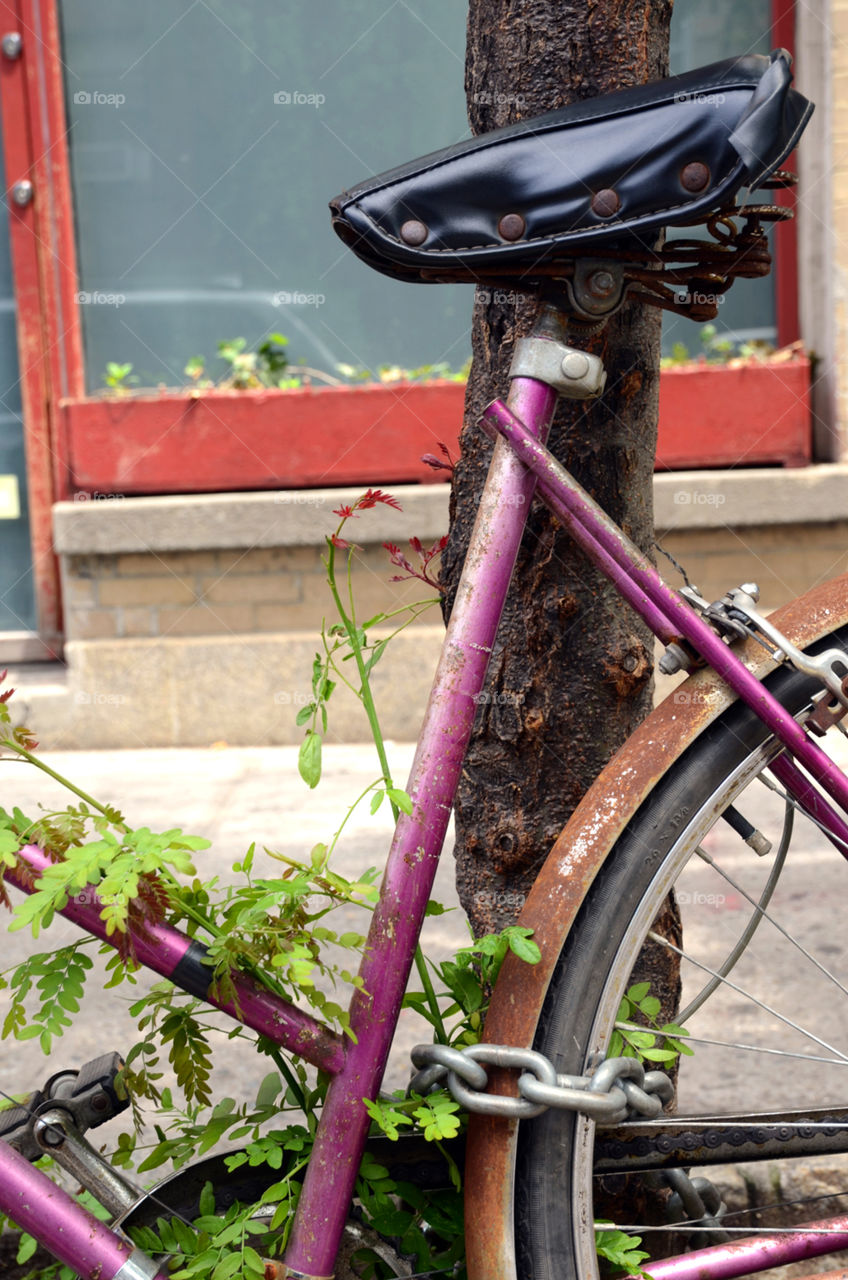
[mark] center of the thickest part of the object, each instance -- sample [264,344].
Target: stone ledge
[683,500]
[762,496]
[190,522]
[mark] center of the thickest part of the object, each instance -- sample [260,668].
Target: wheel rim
[700,828]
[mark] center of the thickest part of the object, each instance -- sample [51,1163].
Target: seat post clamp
[575,374]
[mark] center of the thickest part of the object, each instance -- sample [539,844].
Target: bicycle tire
[554,1215]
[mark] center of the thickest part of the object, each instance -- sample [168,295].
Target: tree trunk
[571,676]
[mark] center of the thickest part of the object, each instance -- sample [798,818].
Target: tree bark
[571,675]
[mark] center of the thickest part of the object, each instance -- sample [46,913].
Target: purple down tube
[71,1233]
[414,854]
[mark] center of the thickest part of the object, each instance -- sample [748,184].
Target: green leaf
[26,1249]
[620,1249]
[400,798]
[674,1029]
[464,986]
[309,759]
[227,1268]
[377,800]
[268,1090]
[650,1006]
[640,1039]
[9,842]
[524,947]
[638,991]
[389,1119]
[375,655]
[437,1116]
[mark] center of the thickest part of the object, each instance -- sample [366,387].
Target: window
[205,142]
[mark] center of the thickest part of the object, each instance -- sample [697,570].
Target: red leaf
[372,496]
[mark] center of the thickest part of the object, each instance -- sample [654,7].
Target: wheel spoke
[761,1048]
[765,915]
[664,942]
[752,925]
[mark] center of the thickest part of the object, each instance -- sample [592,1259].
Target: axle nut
[575,365]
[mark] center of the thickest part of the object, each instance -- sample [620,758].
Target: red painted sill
[180,442]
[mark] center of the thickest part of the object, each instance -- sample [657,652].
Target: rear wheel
[764,974]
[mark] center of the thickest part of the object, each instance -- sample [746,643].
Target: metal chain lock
[619,1089]
[695,1203]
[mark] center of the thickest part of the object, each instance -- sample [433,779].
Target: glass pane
[701,34]
[17,600]
[206,140]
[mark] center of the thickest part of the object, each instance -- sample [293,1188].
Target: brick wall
[196,620]
[219,592]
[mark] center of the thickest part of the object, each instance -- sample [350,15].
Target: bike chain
[619,1089]
[718,1135]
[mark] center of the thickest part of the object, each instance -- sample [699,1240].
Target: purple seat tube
[414,855]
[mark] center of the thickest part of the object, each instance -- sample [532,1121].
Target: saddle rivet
[511,226]
[413,232]
[605,203]
[695,176]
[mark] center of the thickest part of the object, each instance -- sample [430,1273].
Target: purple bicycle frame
[356,1066]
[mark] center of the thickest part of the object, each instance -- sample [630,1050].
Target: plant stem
[345,819]
[287,1073]
[429,992]
[65,782]
[349,624]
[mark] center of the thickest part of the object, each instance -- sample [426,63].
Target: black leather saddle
[608,172]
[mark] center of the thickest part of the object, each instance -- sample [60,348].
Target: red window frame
[77,442]
[44,270]
[786,233]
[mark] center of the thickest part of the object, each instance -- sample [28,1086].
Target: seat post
[547,356]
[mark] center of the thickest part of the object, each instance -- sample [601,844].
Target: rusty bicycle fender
[560,888]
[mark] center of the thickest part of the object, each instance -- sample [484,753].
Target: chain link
[695,1203]
[619,1089]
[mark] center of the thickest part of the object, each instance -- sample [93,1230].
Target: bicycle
[741,739]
